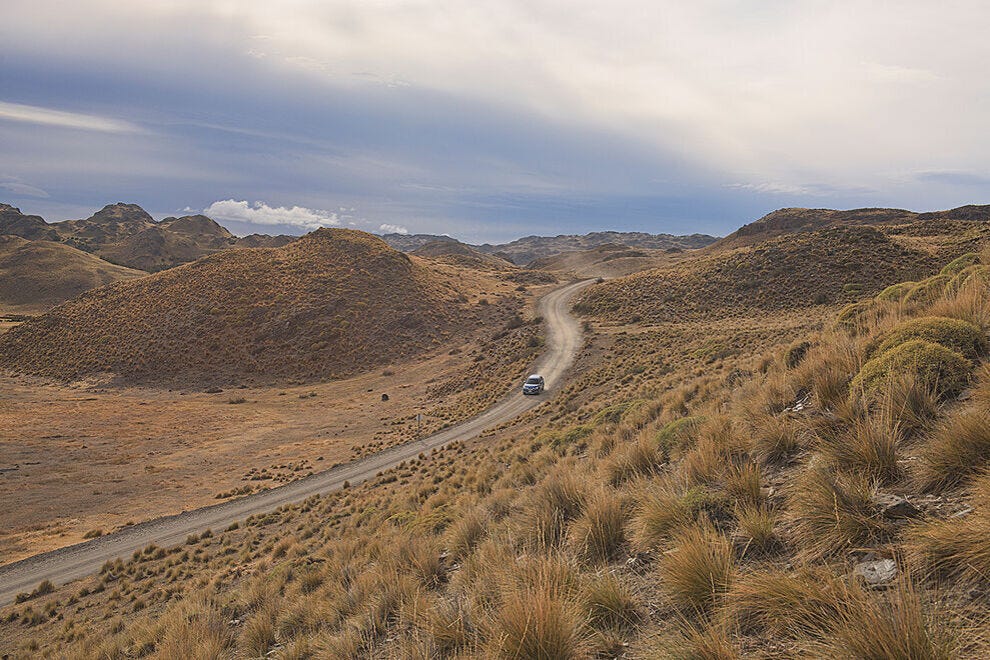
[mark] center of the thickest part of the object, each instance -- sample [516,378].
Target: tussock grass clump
[775,439]
[959,448]
[599,535]
[706,640]
[838,618]
[465,533]
[757,529]
[538,622]
[798,604]
[855,317]
[609,605]
[868,446]
[637,459]
[744,482]
[659,511]
[829,513]
[678,436]
[449,625]
[911,403]
[559,499]
[699,569]
[956,548]
[955,334]
[942,370]
[898,626]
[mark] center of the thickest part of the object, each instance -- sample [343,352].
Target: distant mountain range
[524,251]
[126,235]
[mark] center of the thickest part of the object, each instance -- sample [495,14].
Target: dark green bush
[955,334]
[943,370]
[960,263]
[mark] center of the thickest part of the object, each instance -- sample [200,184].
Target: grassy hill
[822,267]
[796,220]
[37,275]
[333,303]
[781,504]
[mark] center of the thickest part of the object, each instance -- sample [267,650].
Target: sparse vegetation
[667,504]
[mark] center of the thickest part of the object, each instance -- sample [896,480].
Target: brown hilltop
[31,227]
[36,275]
[831,265]
[126,234]
[330,304]
[797,220]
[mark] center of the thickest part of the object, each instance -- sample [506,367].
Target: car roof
[534,376]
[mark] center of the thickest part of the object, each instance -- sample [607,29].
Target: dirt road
[77,561]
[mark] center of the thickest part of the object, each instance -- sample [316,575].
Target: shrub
[853,317]
[830,513]
[699,569]
[957,335]
[928,290]
[959,448]
[959,264]
[895,292]
[934,366]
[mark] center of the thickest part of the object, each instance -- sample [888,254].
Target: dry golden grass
[959,447]
[829,513]
[699,568]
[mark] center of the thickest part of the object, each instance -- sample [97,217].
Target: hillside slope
[799,220]
[36,275]
[827,266]
[333,303]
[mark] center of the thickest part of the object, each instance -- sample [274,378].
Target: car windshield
[533,381]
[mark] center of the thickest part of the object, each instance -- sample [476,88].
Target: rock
[876,573]
[895,506]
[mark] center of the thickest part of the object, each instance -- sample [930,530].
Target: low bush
[928,290]
[960,263]
[934,366]
[957,335]
[895,292]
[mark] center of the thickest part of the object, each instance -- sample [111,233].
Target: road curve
[77,561]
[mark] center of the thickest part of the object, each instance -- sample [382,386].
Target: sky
[490,120]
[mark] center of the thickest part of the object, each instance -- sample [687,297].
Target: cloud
[954,177]
[260,213]
[18,188]
[33,114]
[393,229]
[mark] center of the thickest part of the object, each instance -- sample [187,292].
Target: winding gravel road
[77,561]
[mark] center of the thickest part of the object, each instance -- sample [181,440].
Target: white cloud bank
[33,114]
[260,213]
[393,229]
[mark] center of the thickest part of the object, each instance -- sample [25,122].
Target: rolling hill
[37,275]
[328,305]
[798,220]
[826,266]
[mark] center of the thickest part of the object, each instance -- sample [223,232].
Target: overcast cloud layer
[490,120]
